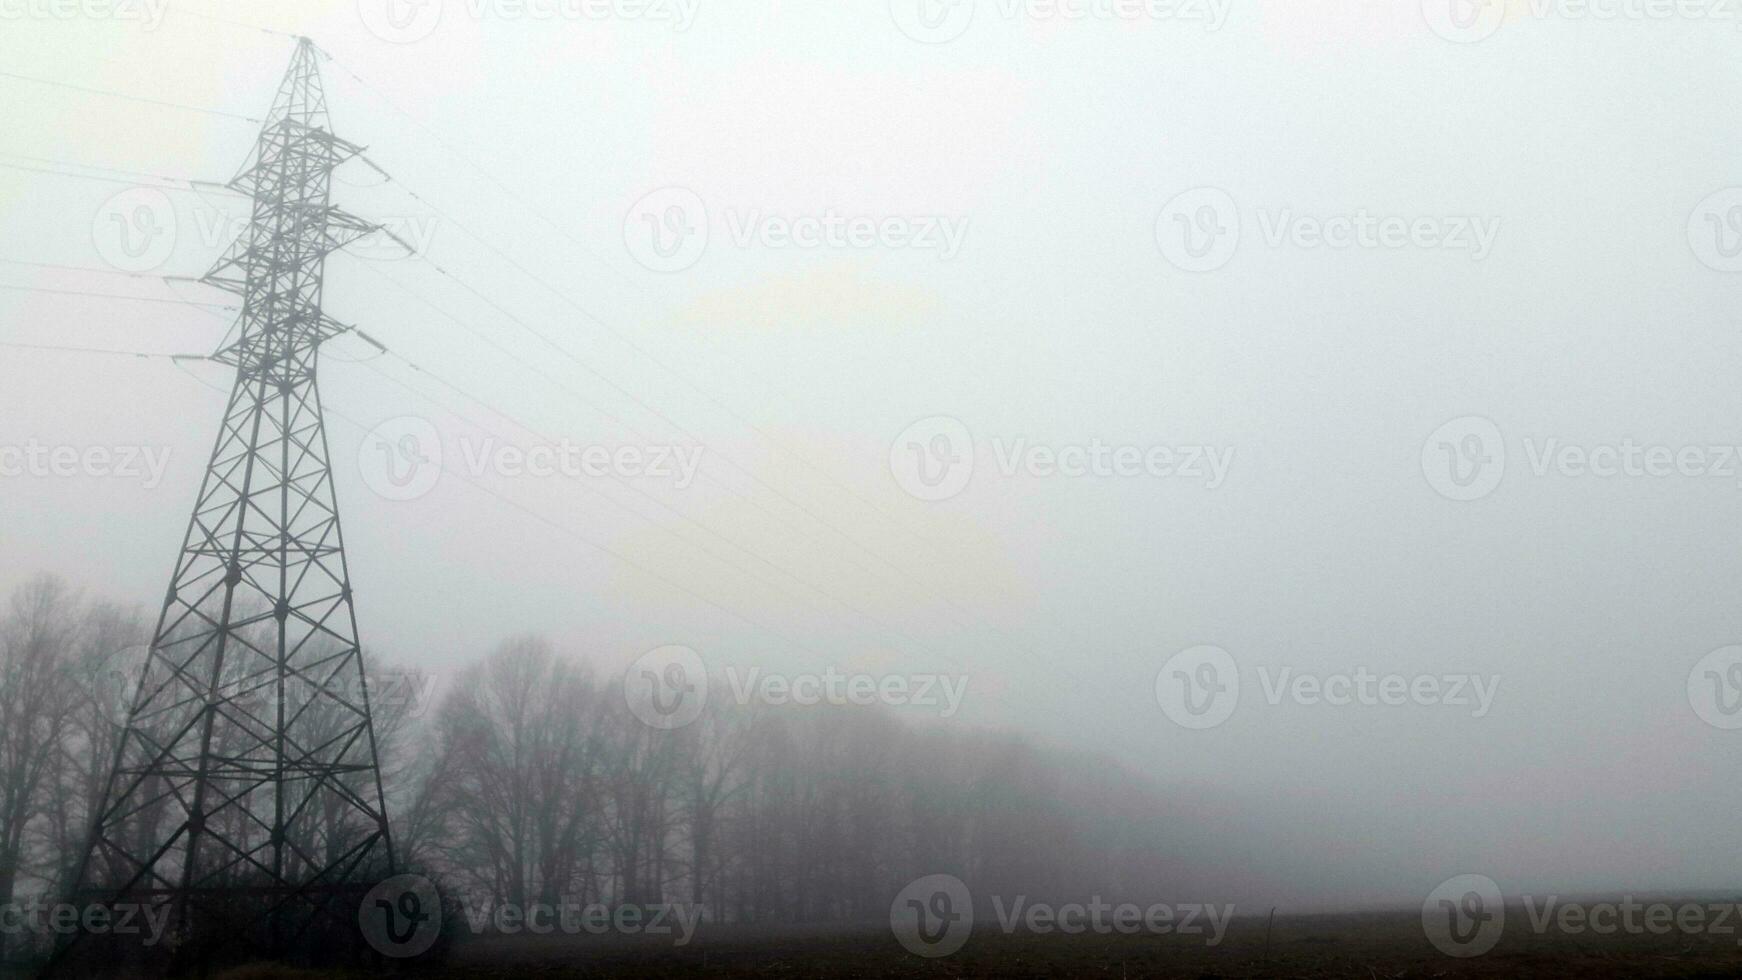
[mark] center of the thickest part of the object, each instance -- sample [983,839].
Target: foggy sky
[1591,320]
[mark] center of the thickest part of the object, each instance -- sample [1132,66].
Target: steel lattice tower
[247,779]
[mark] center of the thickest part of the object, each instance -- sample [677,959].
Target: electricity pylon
[246,790]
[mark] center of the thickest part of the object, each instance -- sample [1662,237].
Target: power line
[797,504]
[603,548]
[629,427]
[151,355]
[637,399]
[866,616]
[57,168]
[756,429]
[130,98]
[84,268]
[137,299]
[904,580]
[621,337]
[543,215]
[563,528]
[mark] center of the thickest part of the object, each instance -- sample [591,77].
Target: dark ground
[1364,945]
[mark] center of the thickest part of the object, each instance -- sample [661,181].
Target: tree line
[530,780]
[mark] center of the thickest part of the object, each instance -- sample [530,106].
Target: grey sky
[1587,147]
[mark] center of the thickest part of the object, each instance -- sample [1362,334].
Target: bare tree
[37,637]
